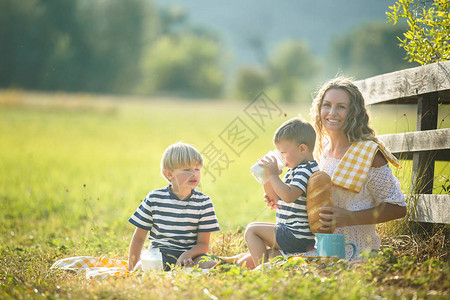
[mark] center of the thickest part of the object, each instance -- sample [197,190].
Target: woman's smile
[334,109]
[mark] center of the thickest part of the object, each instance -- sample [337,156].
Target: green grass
[73,168]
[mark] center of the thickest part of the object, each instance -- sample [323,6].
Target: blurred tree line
[293,73]
[135,47]
[112,46]
[82,45]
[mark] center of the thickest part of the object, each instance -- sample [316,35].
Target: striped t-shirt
[294,214]
[175,223]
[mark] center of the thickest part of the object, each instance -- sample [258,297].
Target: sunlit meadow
[73,168]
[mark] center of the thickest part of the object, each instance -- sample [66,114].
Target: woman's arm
[137,242]
[379,160]
[202,247]
[341,217]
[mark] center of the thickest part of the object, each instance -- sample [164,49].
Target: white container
[151,259]
[258,171]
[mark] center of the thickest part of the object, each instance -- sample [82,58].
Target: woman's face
[334,110]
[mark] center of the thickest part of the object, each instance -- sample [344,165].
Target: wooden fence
[427,86]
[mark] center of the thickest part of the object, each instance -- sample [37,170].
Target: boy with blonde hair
[179,218]
[295,140]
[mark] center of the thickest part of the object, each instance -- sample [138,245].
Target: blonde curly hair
[356,127]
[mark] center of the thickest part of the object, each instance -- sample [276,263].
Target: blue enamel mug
[333,245]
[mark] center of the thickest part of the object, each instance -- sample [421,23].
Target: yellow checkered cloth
[352,170]
[96,268]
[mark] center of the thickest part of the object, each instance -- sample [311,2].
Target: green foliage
[287,74]
[250,81]
[72,45]
[291,67]
[368,51]
[114,33]
[292,59]
[182,60]
[99,46]
[427,39]
[183,64]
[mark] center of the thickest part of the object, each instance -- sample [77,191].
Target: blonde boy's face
[184,178]
[292,153]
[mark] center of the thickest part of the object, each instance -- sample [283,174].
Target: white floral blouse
[381,186]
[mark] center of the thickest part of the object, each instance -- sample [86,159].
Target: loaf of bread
[318,194]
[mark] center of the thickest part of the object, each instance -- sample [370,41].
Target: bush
[292,68]
[249,82]
[184,65]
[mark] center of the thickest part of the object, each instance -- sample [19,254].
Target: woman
[346,145]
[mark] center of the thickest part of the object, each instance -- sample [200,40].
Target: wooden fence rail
[427,86]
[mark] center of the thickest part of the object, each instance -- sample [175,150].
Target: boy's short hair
[297,131]
[180,155]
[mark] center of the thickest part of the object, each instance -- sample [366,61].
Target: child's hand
[185,260]
[270,203]
[269,163]
[138,266]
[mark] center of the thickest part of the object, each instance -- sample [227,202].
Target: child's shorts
[171,256]
[289,243]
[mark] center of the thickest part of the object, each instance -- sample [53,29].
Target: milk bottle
[258,171]
[151,259]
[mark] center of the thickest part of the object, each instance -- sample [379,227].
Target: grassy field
[73,168]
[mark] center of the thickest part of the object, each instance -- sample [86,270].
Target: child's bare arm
[268,189]
[289,193]
[271,197]
[137,242]
[202,247]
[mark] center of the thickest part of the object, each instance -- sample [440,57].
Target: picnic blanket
[95,267]
[352,170]
[98,268]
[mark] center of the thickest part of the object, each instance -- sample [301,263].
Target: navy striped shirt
[175,223]
[294,214]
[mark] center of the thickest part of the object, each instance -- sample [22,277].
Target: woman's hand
[271,203]
[341,217]
[334,217]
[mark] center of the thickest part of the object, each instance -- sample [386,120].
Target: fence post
[423,162]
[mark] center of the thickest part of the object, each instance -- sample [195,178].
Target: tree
[186,65]
[114,32]
[428,38]
[292,68]
[249,82]
[31,32]
[367,51]
[80,45]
